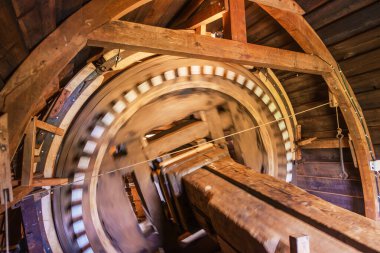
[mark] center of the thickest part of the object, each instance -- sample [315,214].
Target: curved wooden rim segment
[310,42]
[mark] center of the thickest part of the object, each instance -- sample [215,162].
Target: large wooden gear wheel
[155,107]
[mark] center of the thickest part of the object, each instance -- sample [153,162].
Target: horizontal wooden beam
[325,143]
[283,5]
[166,41]
[39,182]
[50,128]
[176,139]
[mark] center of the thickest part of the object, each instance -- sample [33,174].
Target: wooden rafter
[284,5]
[166,41]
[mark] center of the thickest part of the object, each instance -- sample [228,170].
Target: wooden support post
[201,30]
[234,24]
[298,138]
[28,153]
[299,244]
[5,167]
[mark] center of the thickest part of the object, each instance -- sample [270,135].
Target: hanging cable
[339,136]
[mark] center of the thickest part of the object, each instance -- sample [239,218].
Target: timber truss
[98,24]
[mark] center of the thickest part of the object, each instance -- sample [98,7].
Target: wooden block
[299,244]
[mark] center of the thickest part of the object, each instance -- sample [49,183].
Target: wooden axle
[246,211]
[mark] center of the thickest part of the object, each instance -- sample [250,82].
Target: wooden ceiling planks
[351,25]
[333,11]
[12,46]
[35,20]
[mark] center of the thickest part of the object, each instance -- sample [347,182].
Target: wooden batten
[314,143]
[50,128]
[39,182]
[28,153]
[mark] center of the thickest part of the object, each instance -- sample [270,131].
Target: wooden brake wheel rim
[155,93]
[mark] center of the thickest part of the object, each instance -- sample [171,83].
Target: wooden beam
[39,182]
[31,80]
[176,139]
[5,163]
[28,153]
[165,41]
[234,25]
[212,11]
[329,219]
[324,143]
[50,128]
[305,142]
[310,42]
[284,5]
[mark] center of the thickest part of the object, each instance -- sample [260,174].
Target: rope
[339,136]
[178,151]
